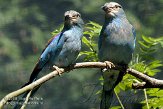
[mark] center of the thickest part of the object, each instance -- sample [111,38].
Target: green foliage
[145,63]
[91,33]
[149,46]
[155,98]
[149,66]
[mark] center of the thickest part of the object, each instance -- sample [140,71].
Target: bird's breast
[117,45]
[70,49]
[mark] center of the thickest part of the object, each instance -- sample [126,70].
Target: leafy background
[26,26]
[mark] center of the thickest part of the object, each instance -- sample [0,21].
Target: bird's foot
[58,70]
[109,65]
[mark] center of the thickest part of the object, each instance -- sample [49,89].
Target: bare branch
[149,82]
[26,100]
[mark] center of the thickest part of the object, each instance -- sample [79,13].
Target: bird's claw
[58,70]
[109,65]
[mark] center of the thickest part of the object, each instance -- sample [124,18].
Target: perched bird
[63,49]
[116,44]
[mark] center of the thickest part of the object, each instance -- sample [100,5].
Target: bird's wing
[100,40]
[54,38]
[51,46]
[45,56]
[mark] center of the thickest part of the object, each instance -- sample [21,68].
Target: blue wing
[51,46]
[100,40]
[45,56]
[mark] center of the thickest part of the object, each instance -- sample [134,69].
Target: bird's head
[113,9]
[73,18]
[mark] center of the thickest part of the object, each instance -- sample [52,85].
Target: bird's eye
[78,15]
[116,6]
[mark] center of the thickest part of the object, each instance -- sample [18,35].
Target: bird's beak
[103,8]
[108,10]
[67,17]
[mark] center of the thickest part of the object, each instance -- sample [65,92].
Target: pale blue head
[113,9]
[73,18]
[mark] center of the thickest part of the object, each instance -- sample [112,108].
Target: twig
[146,98]
[149,81]
[26,100]
[119,100]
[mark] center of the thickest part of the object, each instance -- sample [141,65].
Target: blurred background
[26,26]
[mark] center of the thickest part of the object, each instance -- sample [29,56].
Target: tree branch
[149,82]
[26,100]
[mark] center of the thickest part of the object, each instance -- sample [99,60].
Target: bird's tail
[106,99]
[19,102]
[111,80]
[34,74]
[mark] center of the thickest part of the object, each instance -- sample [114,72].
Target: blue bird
[116,44]
[63,49]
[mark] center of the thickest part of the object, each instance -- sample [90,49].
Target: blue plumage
[116,44]
[61,50]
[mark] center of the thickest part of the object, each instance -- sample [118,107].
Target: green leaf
[116,107]
[86,41]
[98,92]
[144,45]
[147,39]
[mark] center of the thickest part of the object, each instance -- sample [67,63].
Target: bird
[62,50]
[116,45]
